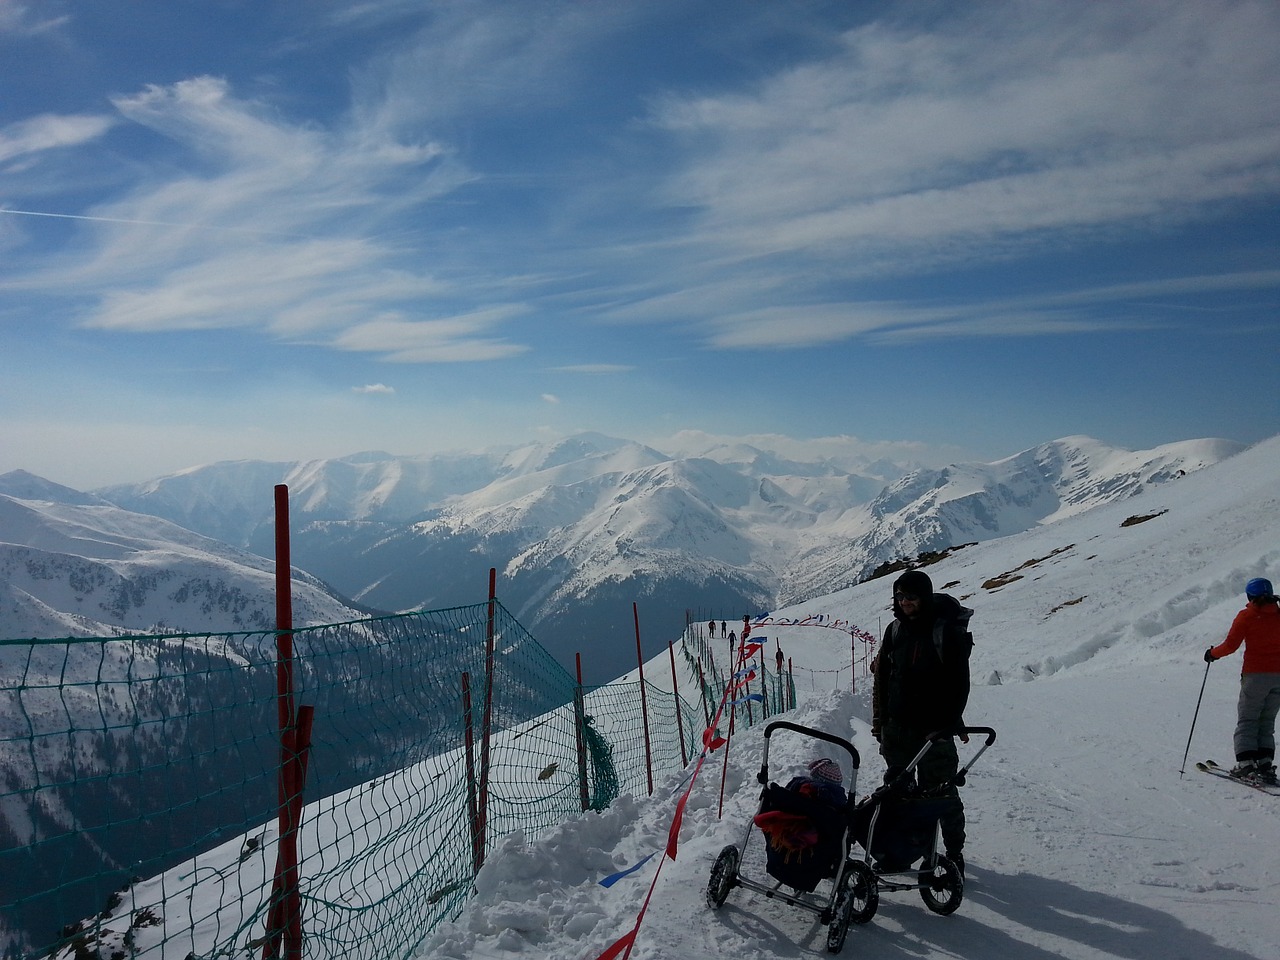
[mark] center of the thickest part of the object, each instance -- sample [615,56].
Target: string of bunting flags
[747,669]
[711,741]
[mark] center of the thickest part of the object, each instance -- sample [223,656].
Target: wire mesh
[139,777]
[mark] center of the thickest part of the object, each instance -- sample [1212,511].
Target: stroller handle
[958,779]
[964,732]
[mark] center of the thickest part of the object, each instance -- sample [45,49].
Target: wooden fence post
[473,812]
[644,702]
[579,725]
[675,693]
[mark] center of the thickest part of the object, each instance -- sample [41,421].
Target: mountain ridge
[581,528]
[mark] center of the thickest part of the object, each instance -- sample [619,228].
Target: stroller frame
[837,909]
[938,879]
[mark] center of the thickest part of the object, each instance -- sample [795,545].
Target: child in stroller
[802,831]
[807,837]
[825,782]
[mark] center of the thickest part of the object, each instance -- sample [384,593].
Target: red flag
[617,948]
[673,835]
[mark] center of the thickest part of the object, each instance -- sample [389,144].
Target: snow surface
[1086,838]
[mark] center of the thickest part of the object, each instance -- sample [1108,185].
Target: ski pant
[1256,711]
[899,745]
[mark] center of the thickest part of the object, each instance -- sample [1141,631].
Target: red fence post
[644,702]
[284,921]
[301,752]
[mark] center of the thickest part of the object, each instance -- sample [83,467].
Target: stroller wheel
[838,929]
[724,876]
[864,892]
[942,888]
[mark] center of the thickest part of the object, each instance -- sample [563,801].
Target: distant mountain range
[74,565]
[578,530]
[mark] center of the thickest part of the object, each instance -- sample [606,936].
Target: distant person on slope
[920,688]
[712,625]
[1257,626]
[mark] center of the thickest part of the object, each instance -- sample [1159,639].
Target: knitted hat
[914,583]
[1258,587]
[824,768]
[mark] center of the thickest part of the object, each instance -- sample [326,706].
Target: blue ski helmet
[1258,587]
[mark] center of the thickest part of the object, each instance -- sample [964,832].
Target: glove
[1208,656]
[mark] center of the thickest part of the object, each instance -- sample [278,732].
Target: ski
[1208,766]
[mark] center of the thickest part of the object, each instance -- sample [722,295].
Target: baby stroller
[812,852]
[897,827]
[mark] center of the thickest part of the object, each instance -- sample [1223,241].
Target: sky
[298,230]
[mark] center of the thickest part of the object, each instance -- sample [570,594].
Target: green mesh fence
[139,777]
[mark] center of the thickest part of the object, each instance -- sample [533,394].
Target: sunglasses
[910,597]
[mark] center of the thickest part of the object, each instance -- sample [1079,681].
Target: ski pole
[1193,719]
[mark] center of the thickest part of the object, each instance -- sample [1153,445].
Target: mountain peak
[27,486]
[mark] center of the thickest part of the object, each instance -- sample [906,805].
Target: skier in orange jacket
[1257,626]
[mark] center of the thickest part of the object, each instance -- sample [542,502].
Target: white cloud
[594,368]
[980,134]
[550,398]
[17,19]
[1005,120]
[850,451]
[373,388]
[50,131]
[272,228]
[449,340]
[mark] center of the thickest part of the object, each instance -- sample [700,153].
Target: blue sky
[241,230]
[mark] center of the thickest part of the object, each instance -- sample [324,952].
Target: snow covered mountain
[72,564]
[581,528]
[931,510]
[1087,839]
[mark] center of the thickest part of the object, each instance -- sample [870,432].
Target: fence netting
[140,776]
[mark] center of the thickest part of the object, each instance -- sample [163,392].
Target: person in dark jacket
[921,687]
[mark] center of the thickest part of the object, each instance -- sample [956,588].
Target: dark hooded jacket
[922,670]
